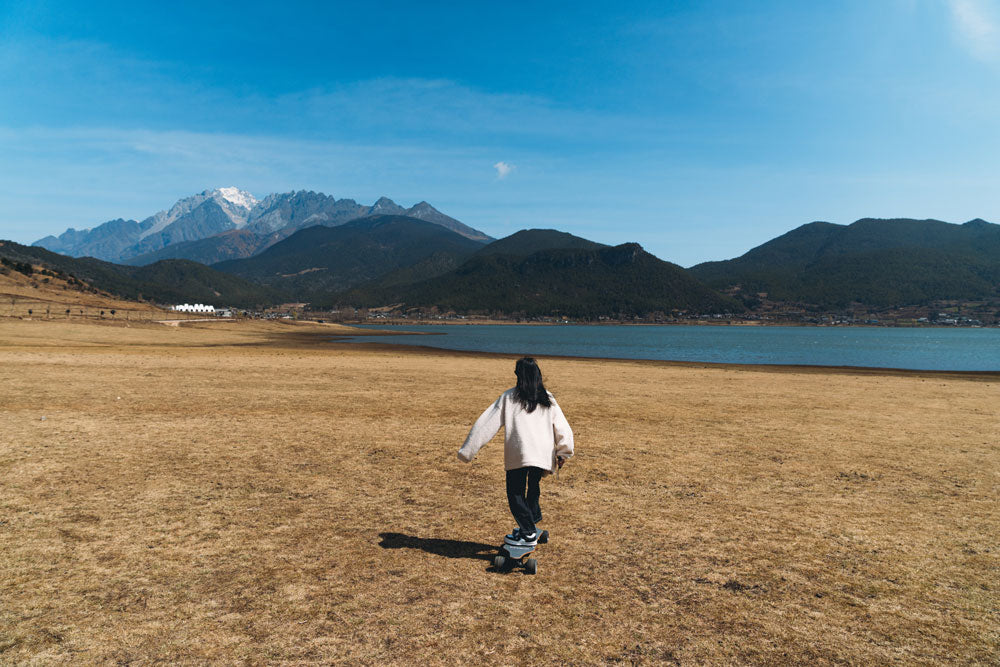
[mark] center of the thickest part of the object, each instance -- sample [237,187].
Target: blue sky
[698,129]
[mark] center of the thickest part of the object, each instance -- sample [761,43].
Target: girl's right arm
[482,431]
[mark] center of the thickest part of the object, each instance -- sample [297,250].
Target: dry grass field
[252,493]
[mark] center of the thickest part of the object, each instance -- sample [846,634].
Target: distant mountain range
[201,227]
[872,262]
[294,247]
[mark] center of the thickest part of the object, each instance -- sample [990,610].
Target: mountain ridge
[214,212]
[337,258]
[872,261]
[621,281]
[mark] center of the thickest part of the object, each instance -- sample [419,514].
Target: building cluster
[201,308]
[194,308]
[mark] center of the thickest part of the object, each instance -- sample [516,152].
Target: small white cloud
[977,24]
[503,169]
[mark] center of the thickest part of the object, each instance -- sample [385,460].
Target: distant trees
[21,267]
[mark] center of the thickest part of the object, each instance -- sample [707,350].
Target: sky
[697,129]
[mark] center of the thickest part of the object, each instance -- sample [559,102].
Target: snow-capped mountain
[203,215]
[233,202]
[238,197]
[195,225]
[291,211]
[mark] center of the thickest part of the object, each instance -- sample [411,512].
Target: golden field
[253,493]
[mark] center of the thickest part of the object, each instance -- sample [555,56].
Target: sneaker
[524,539]
[514,534]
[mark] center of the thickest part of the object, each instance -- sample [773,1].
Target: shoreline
[691,323]
[318,336]
[977,376]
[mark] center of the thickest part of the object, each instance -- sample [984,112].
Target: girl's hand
[560,461]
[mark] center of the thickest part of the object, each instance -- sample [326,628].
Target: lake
[959,349]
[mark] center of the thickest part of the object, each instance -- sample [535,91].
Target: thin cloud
[977,26]
[133,173]
[503,169]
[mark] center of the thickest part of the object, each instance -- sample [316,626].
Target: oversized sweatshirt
[533,438]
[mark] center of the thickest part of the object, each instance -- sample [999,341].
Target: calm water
[925,349]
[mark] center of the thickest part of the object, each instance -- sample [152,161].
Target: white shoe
[524,539]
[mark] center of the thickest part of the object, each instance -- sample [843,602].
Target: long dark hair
[530,392]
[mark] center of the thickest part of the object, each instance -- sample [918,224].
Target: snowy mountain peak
[423,206]
[215,212]
[238,197]
[385,206]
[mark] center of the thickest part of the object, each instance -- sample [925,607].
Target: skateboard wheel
[499,562]
[531,566]
[543,537]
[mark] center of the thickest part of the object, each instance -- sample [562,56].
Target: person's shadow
[438,547]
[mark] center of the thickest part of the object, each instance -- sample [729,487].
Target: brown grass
[251,493]
[47,297]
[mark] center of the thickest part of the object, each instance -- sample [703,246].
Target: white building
[194,308]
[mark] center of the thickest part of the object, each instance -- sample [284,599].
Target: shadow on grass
[446,548]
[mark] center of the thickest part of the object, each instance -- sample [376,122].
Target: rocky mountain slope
[196,227]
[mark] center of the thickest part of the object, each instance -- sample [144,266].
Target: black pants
[522,495]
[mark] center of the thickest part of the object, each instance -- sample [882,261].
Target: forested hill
[875,262]
[530,241]
[165,282]
[619,281]
[317,261]
[234,244]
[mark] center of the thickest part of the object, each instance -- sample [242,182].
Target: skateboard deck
[511,555]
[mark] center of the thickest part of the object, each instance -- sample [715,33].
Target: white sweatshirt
[530,438]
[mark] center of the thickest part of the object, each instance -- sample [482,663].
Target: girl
[537,440]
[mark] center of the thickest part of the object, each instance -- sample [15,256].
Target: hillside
[873,262]
[519,244]
[166,281]
[620,281]
[30,291]
[173,280]
[317,261]
[234,244]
